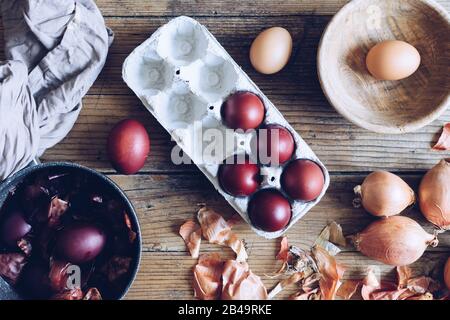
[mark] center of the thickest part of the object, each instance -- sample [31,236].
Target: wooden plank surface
[338,143]
[223,8]
[295,91]
[169,275]
[164,202]
[166,195]
[218,7]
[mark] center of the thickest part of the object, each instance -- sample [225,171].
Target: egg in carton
[183,76]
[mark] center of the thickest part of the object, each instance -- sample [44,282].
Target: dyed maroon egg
[243,110]
[269,210]
[14,228]
[239,179]
[275,146]
[80,243]
[302,180]
[128,146]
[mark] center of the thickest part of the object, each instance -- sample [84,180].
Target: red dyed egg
[275,146]
[269,210]
[239,179]
[243,110]
[303,180]
[14,228]
[80,243]
[128,146]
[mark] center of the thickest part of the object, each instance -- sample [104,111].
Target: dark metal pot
[6,292]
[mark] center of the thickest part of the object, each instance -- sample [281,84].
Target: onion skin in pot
[434,195]
[447,273]
[383,194]
[396,241]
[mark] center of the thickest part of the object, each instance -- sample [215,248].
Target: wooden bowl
[386,106]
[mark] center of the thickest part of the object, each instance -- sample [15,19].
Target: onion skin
[383,194]
[447,273]
[434,195]
[396,241]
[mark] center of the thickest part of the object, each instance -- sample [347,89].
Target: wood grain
[168,276]
[339,144]
[164,202]
[166,195]
[217,7]
[295,91]
[222,8]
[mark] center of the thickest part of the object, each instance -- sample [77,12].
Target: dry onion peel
[374,289]
[434,195]
[318,270]
[216,230]
[191,234]
[396,241]
[406,288]
[228,280]
[348,289]
[207,276]
[384,194]
[330,237]
[331,273]
[443,143]
[336,235]
[420,284]
[403,275]
[239,283]
[294,278]
[234,220]
[283,254]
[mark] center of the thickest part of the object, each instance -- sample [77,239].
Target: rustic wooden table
[166,195]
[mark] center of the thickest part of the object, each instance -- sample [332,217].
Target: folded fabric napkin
[55,49]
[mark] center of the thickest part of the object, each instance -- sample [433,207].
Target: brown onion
[434,195]
[384,194]
[447,273]
[396,241]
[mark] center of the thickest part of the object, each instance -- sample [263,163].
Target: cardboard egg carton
[183,75]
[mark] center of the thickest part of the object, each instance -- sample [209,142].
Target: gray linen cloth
[55,49]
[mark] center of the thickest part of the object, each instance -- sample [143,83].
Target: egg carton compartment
[151,75]
[211,77]
[183,76]
[182,42]
[178,107]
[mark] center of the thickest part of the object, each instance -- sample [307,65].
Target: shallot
[396,241]
[434,195]
[384,194]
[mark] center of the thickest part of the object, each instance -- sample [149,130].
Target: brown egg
[271,50]
[128,146]
[13,228]
[269,210]
[302,179]
[243,110]
[392,60]
[239,179]
[80,243]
